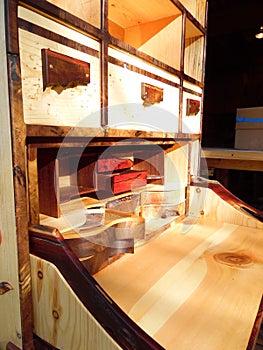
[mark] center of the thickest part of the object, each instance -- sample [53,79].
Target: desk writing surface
[198,288]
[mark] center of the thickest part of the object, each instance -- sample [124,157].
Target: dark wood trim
[189,16]
[40,134]
[115,322]
[255,331]
[135,69]
[41,344]
[60,132]
[192,92]
[229,197]
[104,64]
[18,132]
[20,194]
[11,26]
[116,43]
[180,119]
[193,81]
[195,22]
[35,29]
[11,346]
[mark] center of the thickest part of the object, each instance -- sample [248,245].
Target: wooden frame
[26,139]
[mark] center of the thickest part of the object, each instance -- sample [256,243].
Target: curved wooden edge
[115,322]
[256,328]
[40,344]
[11,346]
[229,197]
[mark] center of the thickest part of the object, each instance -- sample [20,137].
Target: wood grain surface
[198,290]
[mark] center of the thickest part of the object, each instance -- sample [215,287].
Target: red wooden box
[122,181]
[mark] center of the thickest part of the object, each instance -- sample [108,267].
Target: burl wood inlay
[192,107]
[151,94]
[61,72]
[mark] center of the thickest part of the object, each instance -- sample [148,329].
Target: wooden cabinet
[163,48]
[140,99]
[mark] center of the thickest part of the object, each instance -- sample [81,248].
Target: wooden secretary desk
[109,239]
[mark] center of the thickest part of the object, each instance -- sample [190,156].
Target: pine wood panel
[70,107]
[190,290]
[206,202]
[59,317]
[129,13]
[88,10]
[125,102]
[232,154]
[166,43]
[233,159]
[197,8]
[176,167]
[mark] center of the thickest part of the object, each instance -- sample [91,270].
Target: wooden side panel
[48,173]
[176,167]
[195,159]
[10,323]
[165,45]
[59,317]
[207,203]
[33,185]
[71,106]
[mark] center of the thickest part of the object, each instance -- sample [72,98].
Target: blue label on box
[248,120]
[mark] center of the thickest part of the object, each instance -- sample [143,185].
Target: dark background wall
[234,67]
[233,79]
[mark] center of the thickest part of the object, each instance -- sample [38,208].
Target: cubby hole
[193,54]
[96,173]
[150,26]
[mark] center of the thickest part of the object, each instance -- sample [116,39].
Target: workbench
[228,158]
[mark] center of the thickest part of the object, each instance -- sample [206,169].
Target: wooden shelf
[39,133]
[223,158]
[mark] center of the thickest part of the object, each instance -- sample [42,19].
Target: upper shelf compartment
[194,51]
[151,26]
[87,10]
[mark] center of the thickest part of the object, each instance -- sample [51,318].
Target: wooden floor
[196,286]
